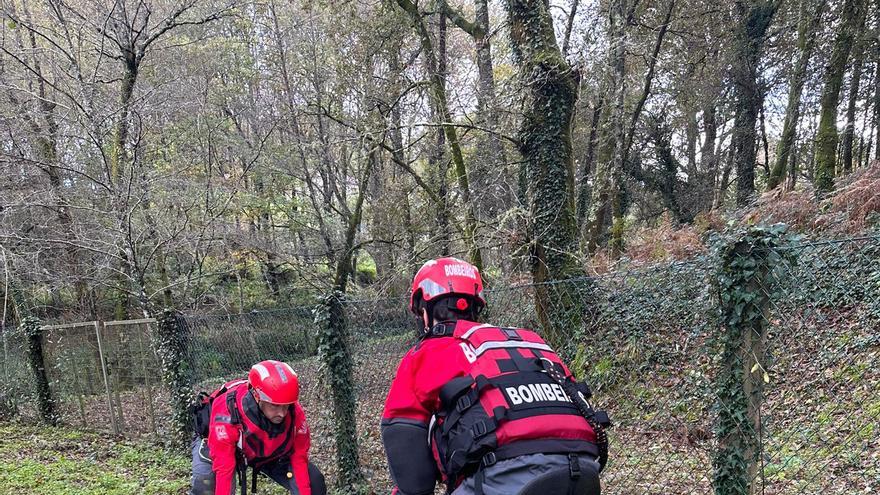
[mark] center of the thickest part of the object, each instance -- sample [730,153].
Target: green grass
[57,461]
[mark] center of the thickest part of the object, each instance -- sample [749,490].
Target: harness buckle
[441,330]
[602,418]
[574,466]
[511,334]
[488,460]
[463,403]
[479,430]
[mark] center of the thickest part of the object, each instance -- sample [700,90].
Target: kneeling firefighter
[487,410]
[259,423]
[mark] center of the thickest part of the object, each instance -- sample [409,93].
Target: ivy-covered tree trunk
[754,17]
[810,14]
[852,15]
[545,138]
[746,282]
[335,351]
[33,331]
[119,159]
[172,347]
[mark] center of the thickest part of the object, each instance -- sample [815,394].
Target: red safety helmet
[446,276]
[275,382]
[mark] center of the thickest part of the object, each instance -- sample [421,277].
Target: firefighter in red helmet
[488,410]
[259,423]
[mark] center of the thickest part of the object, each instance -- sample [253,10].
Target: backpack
[200,409]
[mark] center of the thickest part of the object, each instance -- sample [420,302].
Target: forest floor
[62,461]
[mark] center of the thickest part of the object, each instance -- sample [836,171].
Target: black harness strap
[465,402]
[443,329]
[574,472]
[232,405]
[597,421]
[241,467]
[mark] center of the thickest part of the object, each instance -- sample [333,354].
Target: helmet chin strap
[426,320]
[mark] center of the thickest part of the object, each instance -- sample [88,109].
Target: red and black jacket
[237,425]
[484,394]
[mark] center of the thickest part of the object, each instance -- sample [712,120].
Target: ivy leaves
[750,268]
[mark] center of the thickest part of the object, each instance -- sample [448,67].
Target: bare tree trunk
[583,198]
[569,25]
[852,99]
[397,151]
[708,159]
[440,161]
[438,87]
[691,139]
[877,99]
[754,18]
[721,195]
[853,15]
[486,94]
[810,16]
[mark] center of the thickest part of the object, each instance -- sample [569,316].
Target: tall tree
[609,177]
[753,18]
[809,19]
[876,57]
[487,107]
[545,136]
[450,134]
[855,79]
[852,16]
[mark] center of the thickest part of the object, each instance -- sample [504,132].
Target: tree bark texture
[808,25]
[755,17]
[545,137]
[852,16]
[852,99]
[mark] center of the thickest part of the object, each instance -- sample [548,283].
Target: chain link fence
[799,405]
[103,376]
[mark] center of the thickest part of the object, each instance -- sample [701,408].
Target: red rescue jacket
[259,440]
[483,391]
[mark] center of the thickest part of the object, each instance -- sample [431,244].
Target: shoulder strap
[232,405]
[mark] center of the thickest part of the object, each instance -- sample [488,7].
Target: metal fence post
[99,325]
[147,380]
